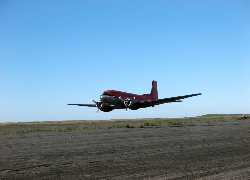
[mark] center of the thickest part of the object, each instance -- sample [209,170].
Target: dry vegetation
[65,126]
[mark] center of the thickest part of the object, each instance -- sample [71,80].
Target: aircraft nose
[103,96]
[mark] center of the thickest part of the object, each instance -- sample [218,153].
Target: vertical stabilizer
[154,91]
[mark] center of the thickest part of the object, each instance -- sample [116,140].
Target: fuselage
[116,98]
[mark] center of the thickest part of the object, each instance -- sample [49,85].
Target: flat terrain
[208,147]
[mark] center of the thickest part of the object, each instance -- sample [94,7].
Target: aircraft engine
[130,103]
[105,107]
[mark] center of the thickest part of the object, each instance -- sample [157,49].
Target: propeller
[127,102]
[102,106]
[97,105]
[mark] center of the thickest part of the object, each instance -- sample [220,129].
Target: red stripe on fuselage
[124,95]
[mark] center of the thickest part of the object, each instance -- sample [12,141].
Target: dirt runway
[203,150]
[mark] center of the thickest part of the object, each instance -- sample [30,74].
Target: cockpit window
[106,93]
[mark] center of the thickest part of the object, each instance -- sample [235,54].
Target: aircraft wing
[165,100]
[88,105]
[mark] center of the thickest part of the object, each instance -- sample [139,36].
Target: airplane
[113,99]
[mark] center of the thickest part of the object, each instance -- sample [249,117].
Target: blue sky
[57,52]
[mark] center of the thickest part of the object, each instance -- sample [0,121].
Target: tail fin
[154,91]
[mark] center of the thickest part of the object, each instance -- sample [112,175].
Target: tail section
[154,91]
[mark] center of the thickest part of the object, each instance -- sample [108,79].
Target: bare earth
[218,150]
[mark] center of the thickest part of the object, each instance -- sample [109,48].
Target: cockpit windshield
[106,93]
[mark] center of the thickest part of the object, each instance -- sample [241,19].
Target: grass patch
[66,126]
[21,129]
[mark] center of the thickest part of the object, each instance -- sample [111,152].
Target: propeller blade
[96,105]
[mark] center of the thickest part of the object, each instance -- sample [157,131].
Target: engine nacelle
[105,107]
[131,104]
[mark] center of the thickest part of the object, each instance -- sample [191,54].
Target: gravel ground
[205,150]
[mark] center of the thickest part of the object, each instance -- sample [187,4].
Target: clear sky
[57,52]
